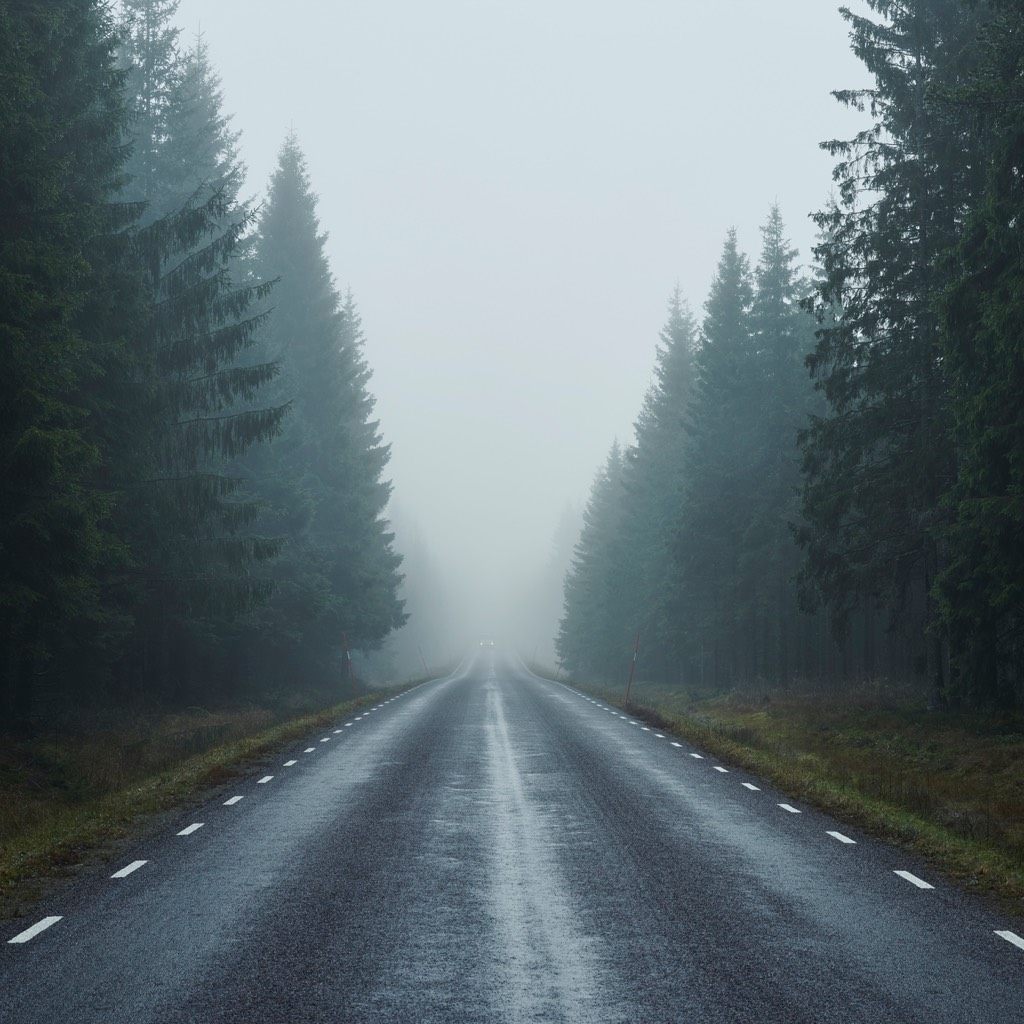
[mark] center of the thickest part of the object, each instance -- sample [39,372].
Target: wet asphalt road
[495,847]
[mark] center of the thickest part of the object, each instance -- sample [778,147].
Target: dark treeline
[192,501]
[827,480]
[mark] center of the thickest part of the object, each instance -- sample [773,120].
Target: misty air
[511,512]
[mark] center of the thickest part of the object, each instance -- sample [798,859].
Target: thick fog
[512,190]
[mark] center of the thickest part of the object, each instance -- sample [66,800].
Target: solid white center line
[1012,937]
[750,786]
[31,933]
[791,809]
[126,871]
[719,768]
[842,838]
[192,828]
[264,780]
[919,882]
[233,800]
[700,757]
[288,764]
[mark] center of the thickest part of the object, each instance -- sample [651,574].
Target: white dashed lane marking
[309,750]
[126,871]
[195,827]
[264,780]
[913,879]
[842,838]
[288,764]
[1012,937]
[233,800]
[31,933]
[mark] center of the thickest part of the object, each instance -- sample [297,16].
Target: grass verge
[948,786]
[64,799]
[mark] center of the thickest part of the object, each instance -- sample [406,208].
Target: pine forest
[826,477]
[193,502]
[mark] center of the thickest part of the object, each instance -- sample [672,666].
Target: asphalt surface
[495,847]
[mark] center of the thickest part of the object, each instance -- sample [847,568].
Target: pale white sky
[512,189]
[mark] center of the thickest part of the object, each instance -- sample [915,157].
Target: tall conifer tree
[323,481]
[877,465]
[61,120]
[654,478]
[590,637]
[783,338]
[150,54]
[981,591]
[720,460]
[196,552]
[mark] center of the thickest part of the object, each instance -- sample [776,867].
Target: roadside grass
[67,796]
[948,785]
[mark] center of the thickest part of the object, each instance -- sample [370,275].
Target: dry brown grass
[950,785]
[68,794]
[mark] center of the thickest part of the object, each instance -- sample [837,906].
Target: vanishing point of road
[495,847]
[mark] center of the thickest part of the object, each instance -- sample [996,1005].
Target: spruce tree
[593,642]
[61,120]
[323,481]
[150,54]
[191,528]
[720,458]
[878,463]
[654,479]
[201,149]
[981,591]
[783,338]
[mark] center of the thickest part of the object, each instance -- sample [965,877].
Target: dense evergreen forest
[827,478]
[193,498]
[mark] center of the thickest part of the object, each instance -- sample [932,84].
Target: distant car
[486,643]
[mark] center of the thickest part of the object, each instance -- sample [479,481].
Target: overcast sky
[512,190]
